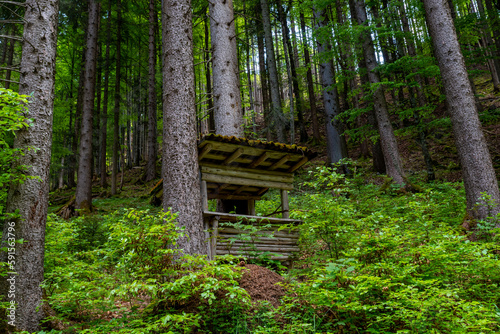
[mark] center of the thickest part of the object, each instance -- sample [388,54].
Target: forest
[250,166]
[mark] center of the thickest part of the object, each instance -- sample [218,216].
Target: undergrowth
[374,259]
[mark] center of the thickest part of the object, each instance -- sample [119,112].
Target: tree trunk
[208,81]
[83,197]
[477,168]
[104,114]
[495,68]
[152,151]
[264,86]
[276,112]
[388,141]
[30,198]
[310,84]
[227,100]
[10,58]
[181,185]
[116,113]
[335,143]
[295,82]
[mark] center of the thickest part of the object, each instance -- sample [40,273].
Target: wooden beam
[245,182]
[259,160]
[262,191]
[222,186]
[298,165]
[204,151]
[230,196]
[284,204]
[239,190]
[248,174]
[236,217]
[236,154]
[279,163]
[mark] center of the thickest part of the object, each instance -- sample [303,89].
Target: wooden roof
[237,168]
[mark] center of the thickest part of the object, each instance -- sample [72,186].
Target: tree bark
[181,185]
[226,92]
[264,85]
[336,147]
[388,141]
[276,112]
[30,199]
[310,84]
[295,82]
[83,197]
[208,81]
[477,168]
[152,151]
[116,113]
[104,114]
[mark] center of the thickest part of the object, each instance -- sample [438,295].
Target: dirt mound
[261,284]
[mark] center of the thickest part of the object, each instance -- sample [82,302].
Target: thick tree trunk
[227,100]
[310,84]
[116,112]
[388,141]
[83,197]
[276,112]
[30,199]
[335,143]
[477,168]
[105,98]
[181,185]
[152,151]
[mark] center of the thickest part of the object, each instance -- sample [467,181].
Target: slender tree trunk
[422,101]
[276,112]
[97,118]
[249,74]
[264,86]
[116,113]
[477,168]
[388,141]
[335,143]
[227,100]
[310,84]
[104,114]
[29,200]
[181,188]
[84,184]
[208,80]
[295,82]
[10,59]
[495,68]
[152,142]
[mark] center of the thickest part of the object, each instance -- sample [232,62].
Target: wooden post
[204,195]
[284,204]
[251,207]
[215,235]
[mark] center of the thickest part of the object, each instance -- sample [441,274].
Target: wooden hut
[239,172]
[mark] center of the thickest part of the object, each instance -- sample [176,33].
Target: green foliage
[372,261]
[127,263]
[12,119]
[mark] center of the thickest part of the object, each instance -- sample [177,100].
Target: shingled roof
[238,168]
